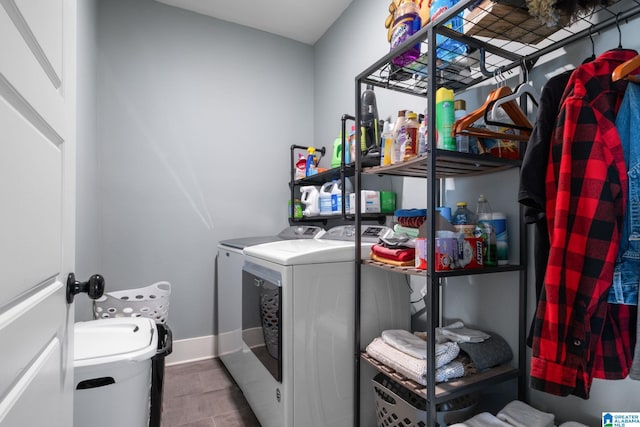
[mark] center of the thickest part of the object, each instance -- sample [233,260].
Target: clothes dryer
[299,356]
[230,260]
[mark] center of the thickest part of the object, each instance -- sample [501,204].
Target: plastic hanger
[522,90]
[464,125]
[593,48]
[628,70]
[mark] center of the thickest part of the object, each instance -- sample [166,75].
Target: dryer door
[262,316]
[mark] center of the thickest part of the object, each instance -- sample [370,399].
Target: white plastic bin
[112,369]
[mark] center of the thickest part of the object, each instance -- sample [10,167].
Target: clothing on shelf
[483,419]
[406,342]
[414,368]
[459,333]
[575,338]
[491,352]
[519,414]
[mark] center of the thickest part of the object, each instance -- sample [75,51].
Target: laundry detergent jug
[336,196]
[325,198]
[310,198]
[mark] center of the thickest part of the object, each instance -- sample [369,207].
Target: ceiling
[302,20]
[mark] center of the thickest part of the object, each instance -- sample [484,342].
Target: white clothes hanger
[522,90]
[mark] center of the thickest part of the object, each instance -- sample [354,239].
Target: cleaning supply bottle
[387,145]
[445,117]
[310,199]
[311,162]
[486,230]
[423,140]
[337,195]
[411,141]
[448,49]
[370,135]
[325,198]
[301,168]
[399,136]
[337,153]
[463,220]
[406,22]
[462,141]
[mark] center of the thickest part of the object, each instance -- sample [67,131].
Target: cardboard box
[506,22]
[458,253]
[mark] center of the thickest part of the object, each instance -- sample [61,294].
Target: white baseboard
[210,346]
[193,349]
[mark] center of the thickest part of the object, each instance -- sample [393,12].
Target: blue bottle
[448,49]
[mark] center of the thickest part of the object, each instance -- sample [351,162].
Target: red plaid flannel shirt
[575,336]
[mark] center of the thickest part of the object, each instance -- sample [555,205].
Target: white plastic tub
[112,371]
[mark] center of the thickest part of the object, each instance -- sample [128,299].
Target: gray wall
[196,117]
[88,200]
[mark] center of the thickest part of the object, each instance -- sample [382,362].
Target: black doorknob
[94,287]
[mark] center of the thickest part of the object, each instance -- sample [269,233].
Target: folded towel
[404,364]
[409,231]
[452,370]
[483,419]
[395,254]
[488,353]
[391,261]
[406,342]
[410,367]
[519,414]
[459,333]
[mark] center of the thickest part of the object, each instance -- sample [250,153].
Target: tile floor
[203,394]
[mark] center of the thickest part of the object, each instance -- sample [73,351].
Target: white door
[37,211]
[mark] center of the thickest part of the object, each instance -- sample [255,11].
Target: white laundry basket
[151,301]
[113,372]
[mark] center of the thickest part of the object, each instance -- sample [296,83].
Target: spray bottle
[311,162]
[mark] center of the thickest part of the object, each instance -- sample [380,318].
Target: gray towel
[488,353]
[519,414]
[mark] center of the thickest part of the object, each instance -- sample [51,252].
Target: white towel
[483,419]
[450,371]
[519,414]
[406,365]
[573,424]
[410,367]
[459,333]
[408,343]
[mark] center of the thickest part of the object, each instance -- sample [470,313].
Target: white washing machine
[230,260]
[299,356]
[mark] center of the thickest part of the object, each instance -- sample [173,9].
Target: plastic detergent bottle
[337,153]
[445,117]
[423,140]
[325,198]
[448,49]
[406,22]
[311,162]
[387,144]
[310,199]
[464,220]
[337,196]
[486,231]
[411,141]
[399,136]
[462,141]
